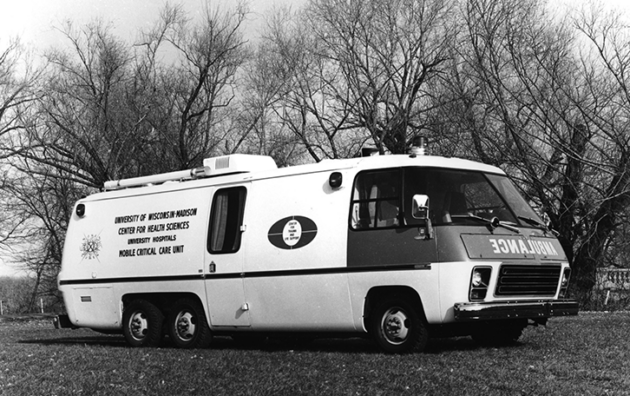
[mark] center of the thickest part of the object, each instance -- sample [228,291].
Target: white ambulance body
[371,245]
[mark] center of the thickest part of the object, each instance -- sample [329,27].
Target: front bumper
[515,309]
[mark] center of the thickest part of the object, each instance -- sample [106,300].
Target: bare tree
[607,114]
[358,71]
[18,92]
[554,119]
[46,204]
[195,113]
[83,131]
[307,104]
[386,53]
[265,79]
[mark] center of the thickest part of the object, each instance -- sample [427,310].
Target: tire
[500,334]
[187,325]
[142,324]
[397,327]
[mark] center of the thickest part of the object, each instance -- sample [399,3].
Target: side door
[224,257]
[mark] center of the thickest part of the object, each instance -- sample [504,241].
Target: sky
[34,22]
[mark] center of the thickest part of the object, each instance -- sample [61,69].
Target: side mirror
[420,207]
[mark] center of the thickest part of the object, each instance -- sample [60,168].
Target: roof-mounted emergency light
[369,151]
[418,146]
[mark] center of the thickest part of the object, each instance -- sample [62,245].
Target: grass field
[584,355]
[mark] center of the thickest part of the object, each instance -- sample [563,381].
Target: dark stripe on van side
[128,280]
[258,274]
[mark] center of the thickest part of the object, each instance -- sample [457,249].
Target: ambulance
[399,248]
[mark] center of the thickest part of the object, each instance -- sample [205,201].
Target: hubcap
[185,325]
[395,326]
[139,325]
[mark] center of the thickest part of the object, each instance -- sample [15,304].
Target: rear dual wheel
[187,325]
[142,324]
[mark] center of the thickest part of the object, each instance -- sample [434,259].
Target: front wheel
[142,324]
[187,325]
[397,327]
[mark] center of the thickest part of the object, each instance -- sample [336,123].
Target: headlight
[479,281]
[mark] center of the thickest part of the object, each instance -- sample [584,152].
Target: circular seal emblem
[91,246]
[292,232]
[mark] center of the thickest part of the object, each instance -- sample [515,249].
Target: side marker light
[80,211]
[335,180]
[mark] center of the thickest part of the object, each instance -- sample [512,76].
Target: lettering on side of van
[292,232]
[140,229]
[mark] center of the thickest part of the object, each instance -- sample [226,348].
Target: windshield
[455,195]
[515,201]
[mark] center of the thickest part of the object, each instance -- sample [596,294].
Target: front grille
[528,280]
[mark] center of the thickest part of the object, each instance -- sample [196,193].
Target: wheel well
[382,292]
[164,301]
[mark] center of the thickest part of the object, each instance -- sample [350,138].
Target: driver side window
[376,200]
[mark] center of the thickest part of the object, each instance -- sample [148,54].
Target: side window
[376,200]
[226,218]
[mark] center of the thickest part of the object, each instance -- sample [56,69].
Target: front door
[382,231]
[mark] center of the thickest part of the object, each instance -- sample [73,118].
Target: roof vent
[222,162]
[238,163]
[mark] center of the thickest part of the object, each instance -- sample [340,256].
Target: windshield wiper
[537,224]
[493,222]
[534,223]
